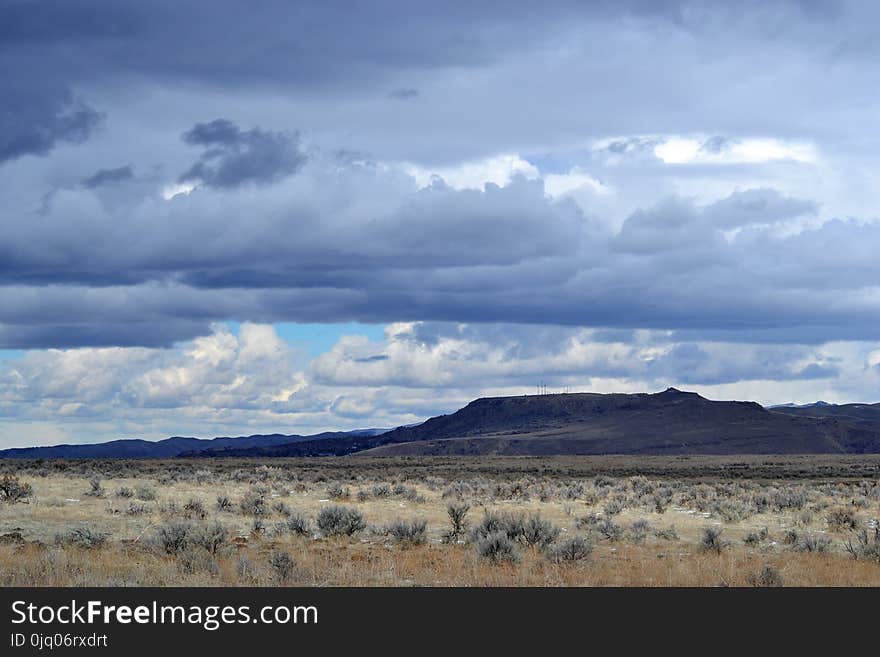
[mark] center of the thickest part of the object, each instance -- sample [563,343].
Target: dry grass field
[572,521]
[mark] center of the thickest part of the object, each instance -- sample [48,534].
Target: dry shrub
[769,576]
[340,521]
[13,490]
[570,550]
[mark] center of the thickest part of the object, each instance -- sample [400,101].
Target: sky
[230,217]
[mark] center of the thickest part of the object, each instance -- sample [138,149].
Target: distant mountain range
[171,447]
[668,422]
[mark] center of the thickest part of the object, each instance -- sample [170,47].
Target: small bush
[533,531]
[639,530]
[661,501]
[95,488]
[513,526]
[340,521]
[83,537]
[223,504]
[194,509]
[865,545]
[573,549]
[730,510]
[12,490]
[173,537]
[614,506]
[790,537]
[212,537]
[840,520]
[497,548]
[245,568]
[145,494]
[589,521]
[338,492]
[253,503]
[609,529]
[768,577]
[136,509]
[297,524]
[203,476]
[667,533]
[491,523]
[191,561]
[756,538]
[283,565]
[537,532]
[412,532]
[812,543]
[711,540]
[457,512]
[788,499]
[381,490]
[124,492]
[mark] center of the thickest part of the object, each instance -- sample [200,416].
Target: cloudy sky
[230,217]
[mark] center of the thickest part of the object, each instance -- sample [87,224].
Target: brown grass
[332,563]
[557,490]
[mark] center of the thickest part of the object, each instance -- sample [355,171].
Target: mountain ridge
[668,422]
[169,447]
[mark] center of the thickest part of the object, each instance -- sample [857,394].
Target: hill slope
[670,422]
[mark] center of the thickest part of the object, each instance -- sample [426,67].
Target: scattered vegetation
[539,517]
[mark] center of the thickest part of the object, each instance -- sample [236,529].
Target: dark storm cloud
[50,51]
[501,255]
[351,237]
[33,121]
[108,177]
[235,157]
[332,50]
